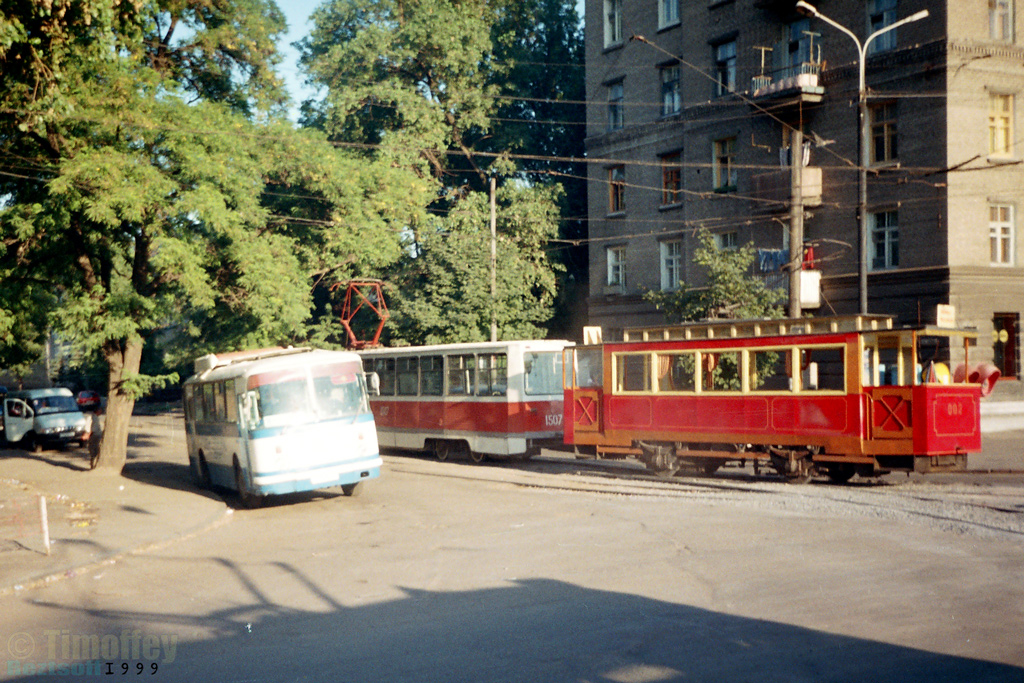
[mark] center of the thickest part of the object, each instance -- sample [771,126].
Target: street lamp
[865,150]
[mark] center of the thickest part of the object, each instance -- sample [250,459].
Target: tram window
[543,372]
[461,375]
[823,369]
[432,375]
[632,372]
[722,371]
[408,375]
[493,375]
[771,371]
[589,368]
[676,372]
[385,369]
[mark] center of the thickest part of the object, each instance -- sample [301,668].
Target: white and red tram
[476,400]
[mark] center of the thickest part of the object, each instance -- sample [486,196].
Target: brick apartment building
[692,107]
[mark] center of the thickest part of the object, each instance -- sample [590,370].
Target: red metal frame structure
[359,293]
[840,396]
[472,400]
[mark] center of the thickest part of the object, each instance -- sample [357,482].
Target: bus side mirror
[372,383]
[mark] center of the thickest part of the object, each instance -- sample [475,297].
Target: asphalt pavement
[94,519]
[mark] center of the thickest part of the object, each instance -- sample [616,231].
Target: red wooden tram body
[475,400]
[838,396]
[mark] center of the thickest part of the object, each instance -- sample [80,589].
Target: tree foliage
[730,291]
[157,186]
[420,84]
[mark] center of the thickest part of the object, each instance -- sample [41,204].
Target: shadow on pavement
[535,631]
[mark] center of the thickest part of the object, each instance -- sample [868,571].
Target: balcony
[775,187]
[796,84]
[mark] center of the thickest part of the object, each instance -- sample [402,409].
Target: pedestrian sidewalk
[96,518]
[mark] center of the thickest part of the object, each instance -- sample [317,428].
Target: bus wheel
[247,498]
[352,490]
[200,472]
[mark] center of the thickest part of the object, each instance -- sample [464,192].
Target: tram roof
[739,329]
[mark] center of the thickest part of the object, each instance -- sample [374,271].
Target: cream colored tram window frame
[672,355]
[798,384]
[751,370]
[618,379]
[906,358]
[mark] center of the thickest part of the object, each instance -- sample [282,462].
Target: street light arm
[810,10]
[917,16]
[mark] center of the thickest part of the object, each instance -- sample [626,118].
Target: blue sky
[297,14]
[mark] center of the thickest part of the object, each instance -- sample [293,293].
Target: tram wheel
[709,466]
[477,457]
[442,450]
[795,467]
[840,473]
[660,459]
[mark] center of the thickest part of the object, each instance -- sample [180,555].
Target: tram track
[986,509]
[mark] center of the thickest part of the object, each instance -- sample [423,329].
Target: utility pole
[494,264]
[796,217]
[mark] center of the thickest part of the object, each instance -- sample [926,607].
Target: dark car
[88,400]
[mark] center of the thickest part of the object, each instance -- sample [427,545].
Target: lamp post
[865,149]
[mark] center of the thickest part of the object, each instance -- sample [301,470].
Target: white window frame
[728,241]
[725,68]
[668,13]
[616,257]
[882,13]
[616,189]
[671,264]
[884,123]
[723,165]
[612,23]
[1001,234]
[1000,124]
[616,98]
[671,89]
[884,228]
[1000,20]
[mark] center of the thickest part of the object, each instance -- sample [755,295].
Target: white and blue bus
[280,420]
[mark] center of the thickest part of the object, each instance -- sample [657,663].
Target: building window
[1006,344]
[668,13]
[616,266]
[616,189]
[883,133]
[612,22]
[1000,20]
[1000,124]
[671,264]
[881,13]
[724,172]
[615,98]
[725,68]
[1000,234]
[671,100]
[885,239]
[728,240]
[671,179]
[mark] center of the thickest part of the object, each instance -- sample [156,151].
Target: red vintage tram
[841,396]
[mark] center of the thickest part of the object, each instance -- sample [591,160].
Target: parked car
[44,417]
[88,400]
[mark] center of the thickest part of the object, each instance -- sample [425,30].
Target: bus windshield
[336,392]
[543,372]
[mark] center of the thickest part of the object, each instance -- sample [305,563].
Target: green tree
[416,84]
[730,291]
[158,186]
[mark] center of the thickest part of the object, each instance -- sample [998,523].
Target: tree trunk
[124,359]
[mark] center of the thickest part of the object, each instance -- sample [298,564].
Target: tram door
[888,378]
[586,383]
